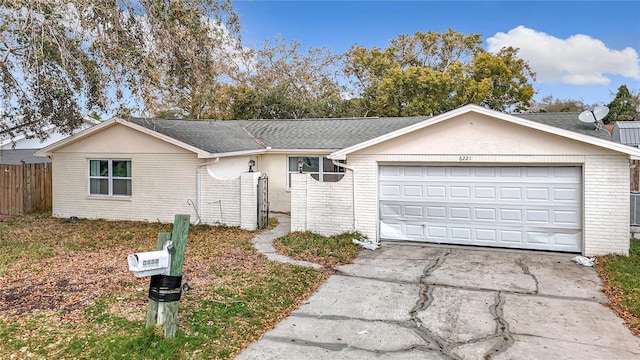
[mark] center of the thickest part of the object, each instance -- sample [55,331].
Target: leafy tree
[431,73]
[625,106]
[549,104]
[63,58]
[281,81]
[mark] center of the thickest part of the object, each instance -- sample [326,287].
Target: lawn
[621,277]
[66,291]
[326,250]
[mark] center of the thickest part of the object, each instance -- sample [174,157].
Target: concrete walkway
[414,301]
[263,242]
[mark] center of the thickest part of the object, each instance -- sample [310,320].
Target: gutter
[198,186]
[355,209]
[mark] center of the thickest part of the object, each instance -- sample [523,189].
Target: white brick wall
[249,200]
[299,202]
[220,200]
[161,186]
[606,205]
[325,208]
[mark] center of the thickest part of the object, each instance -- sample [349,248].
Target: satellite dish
[594,116]
[587,116]
[599,112]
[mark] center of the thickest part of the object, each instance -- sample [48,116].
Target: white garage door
[515,207]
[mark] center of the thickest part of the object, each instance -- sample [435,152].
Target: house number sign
[464,158]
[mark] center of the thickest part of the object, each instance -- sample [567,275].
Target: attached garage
[527,207]
[474,176]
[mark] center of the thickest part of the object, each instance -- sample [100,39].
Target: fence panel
[25,188]
[634,178]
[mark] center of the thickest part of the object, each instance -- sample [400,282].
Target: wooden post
[166,313]
[179,239]
[152,308]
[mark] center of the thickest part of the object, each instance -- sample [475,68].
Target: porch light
[300,165]
[251,165]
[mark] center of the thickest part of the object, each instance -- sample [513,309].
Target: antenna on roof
[594,116]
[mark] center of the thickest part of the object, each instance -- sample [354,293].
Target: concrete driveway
[409,301]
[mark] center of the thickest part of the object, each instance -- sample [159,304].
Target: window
[320,168]
[110,177]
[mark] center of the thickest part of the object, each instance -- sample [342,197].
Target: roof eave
[235,153]
[272,151]
[302,151]
[342,154]
[48,151]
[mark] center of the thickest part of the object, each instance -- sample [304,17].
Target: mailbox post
[165,268]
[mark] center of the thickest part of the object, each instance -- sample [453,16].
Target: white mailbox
[150,263]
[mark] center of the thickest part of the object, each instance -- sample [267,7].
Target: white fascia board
[342,154]
[302,151]
[273,151]
[607,144]
[235,153]
[47,151]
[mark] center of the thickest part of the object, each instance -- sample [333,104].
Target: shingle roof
[567,121]
[211,136]
[324,133]
[217,137]
[243,135]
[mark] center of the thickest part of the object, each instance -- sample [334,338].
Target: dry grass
[67,292]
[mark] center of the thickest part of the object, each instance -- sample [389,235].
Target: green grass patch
[622,284]
[325,250]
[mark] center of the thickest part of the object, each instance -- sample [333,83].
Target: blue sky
[581,50]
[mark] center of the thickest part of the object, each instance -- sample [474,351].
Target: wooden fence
[25,188]
[635,175]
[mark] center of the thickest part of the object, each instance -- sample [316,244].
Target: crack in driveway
[448,303]
[502,328]
[525,269]
[425,299]
[341,346]
[438,262]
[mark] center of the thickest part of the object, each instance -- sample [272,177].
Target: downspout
[198,192]
[355,209]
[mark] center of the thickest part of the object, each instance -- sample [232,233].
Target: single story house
[471,176]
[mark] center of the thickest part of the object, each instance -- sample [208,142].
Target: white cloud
[577,60]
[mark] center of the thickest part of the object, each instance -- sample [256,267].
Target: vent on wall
[635,208]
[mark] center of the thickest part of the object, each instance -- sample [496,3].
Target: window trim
[321,173]
[110,178]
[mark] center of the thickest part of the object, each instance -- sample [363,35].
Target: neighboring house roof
[627,132]
[215,138]
[20,156]
[21,148]
[51,129]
